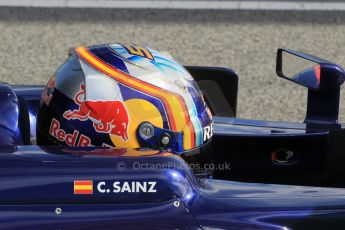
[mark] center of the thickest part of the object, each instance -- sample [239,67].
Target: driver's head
[123,96]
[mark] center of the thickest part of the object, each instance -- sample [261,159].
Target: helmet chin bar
[154,137]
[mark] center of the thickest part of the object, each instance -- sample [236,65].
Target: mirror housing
[323,80]
[319,75]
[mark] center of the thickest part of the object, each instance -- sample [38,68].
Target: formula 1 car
[265,175]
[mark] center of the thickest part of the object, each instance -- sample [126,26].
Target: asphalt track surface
[34,42]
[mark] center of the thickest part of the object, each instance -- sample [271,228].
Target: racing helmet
[125,96]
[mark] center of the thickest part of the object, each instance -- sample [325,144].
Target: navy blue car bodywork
[259,187]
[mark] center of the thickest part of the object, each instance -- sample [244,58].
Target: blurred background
[243,35]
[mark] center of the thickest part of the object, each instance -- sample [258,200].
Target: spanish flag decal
[83,187]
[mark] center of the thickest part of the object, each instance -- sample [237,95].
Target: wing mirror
[323,80]
[309,71]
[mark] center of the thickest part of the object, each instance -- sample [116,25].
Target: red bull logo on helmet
[70,139]
[107,116]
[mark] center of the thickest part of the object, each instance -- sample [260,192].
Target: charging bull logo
[107,116]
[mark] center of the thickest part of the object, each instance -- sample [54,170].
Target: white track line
[180,4]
